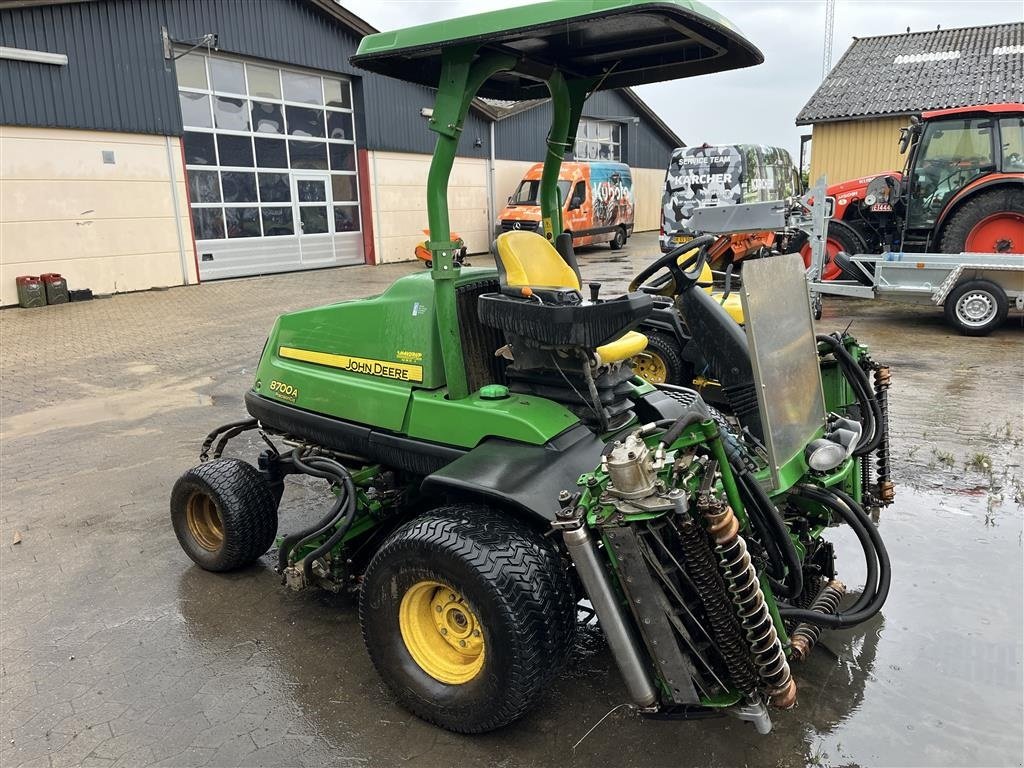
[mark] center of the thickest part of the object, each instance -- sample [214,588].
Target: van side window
[579,195]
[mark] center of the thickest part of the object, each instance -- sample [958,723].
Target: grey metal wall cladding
[521,136]
[117,78]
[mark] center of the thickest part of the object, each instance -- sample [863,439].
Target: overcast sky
[756,105]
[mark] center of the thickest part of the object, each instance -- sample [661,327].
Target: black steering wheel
[679,277]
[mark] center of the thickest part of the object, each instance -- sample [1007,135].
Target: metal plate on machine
[784,354]
[746,217]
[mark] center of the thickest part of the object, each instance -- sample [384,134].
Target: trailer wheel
[976,307]
[618,241]
[467,615]
[223,514]
[990,222]
[662,361]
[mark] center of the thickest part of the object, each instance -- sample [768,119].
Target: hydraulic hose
[335,538]
[778,533]
[862,389]
[334,474]
[879,569]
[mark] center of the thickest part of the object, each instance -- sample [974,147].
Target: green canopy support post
[461,78]
[567,105]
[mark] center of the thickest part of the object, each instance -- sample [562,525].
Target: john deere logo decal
[383,368]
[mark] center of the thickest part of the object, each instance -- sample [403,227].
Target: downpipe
[624,646]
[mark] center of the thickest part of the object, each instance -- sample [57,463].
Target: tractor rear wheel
[467,615]
[224,514]
[991,222]
[976,307]
[841,237]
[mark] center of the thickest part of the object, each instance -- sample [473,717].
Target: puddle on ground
[105,406]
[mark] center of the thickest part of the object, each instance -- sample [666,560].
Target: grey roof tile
[917,71]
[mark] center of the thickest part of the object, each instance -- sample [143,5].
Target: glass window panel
[274,188]
[242,222]
[343,157]
[277,221]
[1012,136]
[267,118]
[344,188]
[239,186]
[311,155]
[227,75]
[203,186]
[234,150]
[191,70]
[208,223]
[314,219]
[305,122]
[231,114]
[346,218]
[305,88]
[264,81]
[339,125]
[616,133]
[337,93]
[271,153]
[604,131]
[311,190]
[195,110]
[199,149]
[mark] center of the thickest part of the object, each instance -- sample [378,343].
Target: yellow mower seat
[529,260]
[732,304]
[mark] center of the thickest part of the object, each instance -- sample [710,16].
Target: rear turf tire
[223,514]
[494,575]
[662,361]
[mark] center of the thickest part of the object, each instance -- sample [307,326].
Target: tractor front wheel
[467,615]
[224,514]
[841,237]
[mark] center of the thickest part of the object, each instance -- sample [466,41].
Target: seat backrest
[528,259]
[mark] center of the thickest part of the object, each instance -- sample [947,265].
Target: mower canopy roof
[613,43]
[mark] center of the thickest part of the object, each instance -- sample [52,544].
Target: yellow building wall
[398,190]
[108,227]
[846,150]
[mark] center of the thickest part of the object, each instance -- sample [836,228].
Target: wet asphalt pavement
[116,651]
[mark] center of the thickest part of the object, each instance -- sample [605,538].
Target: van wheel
[619,241]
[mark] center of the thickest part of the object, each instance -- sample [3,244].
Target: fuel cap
[493,392]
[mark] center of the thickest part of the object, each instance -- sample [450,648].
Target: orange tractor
[962,190]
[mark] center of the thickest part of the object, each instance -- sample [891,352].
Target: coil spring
[886,490]
[702,571]
[748,600]
[803,639]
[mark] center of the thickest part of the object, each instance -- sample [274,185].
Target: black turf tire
[989,292]
[618,241]
[244,504]
[512,579]
[667,348]
[983,205]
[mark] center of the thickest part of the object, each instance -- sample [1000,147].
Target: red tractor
[962,190]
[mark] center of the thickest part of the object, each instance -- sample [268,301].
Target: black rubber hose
[679,426]
[865,395]
[338,508]
[288,542]
[779,533]
[874,549]
[339,534]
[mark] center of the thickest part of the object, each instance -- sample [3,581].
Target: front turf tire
[662,361]
[492,574]
[224,514]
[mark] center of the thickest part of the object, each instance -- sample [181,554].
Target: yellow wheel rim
[443,636]
[204,522]
[651,366]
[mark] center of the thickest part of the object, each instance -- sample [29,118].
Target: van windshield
[529,192]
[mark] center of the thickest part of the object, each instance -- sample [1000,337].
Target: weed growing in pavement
[980,462]
[944,457]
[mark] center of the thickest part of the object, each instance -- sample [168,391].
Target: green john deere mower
[497,467]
